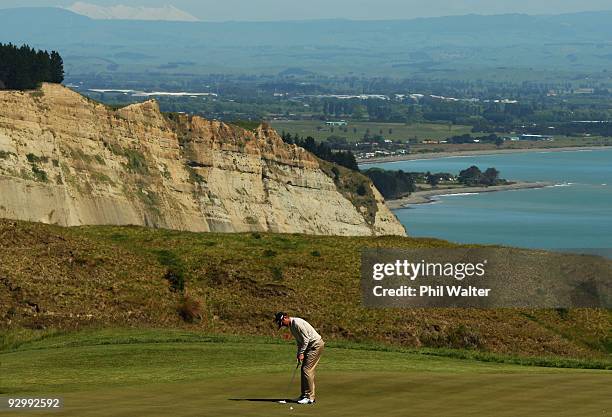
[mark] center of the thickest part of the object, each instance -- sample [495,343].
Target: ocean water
[574,213]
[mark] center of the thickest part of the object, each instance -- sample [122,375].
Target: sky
[222,10]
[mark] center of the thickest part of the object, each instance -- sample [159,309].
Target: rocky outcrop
[67,160]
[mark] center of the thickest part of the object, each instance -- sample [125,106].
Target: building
[535,137]
[337,123]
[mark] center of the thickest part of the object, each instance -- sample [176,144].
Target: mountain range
[428,46]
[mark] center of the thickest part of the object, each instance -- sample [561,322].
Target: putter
[290,382]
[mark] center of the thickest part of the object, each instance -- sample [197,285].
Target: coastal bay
[560,200]
[427,196]
[476,152]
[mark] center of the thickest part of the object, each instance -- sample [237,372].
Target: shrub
[136,161]
[176,279]
[35,159]
[562,312]
[361,190]
[277,273]
[251,125]
[39,174]
[459,337]
[175,273]
[190,309]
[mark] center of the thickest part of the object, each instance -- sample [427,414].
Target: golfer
[309,349]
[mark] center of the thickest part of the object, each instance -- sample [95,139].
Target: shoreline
[448,154]
[428,196]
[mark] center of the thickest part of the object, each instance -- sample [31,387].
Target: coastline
[424,197]
[435,155]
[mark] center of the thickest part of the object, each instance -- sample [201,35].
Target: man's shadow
[265,400]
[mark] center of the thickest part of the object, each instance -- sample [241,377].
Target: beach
[423,197]
[432,155]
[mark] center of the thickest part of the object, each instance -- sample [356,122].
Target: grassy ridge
[75,278]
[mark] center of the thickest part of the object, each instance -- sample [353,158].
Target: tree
[490,176]
[391,184]
[433,180]
[25,68]
[324,151]
[470,176]
[499,141]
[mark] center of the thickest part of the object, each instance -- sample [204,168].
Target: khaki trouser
[311,360]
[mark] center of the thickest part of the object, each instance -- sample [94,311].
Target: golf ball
[291,408]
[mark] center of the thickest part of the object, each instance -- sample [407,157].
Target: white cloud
[131,13]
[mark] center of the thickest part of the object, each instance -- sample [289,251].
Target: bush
[277,273]
[190,309]
[175,273]
[361,190]
[39,174]
[460,337]
[35,159]
[176,280]
[136,162]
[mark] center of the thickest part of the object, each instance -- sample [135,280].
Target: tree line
[323,150]
[24,68]
[398,184]
[392,184]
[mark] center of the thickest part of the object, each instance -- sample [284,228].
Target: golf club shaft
[292,378]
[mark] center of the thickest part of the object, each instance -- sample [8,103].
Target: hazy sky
[350,9]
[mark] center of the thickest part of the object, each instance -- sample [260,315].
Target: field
[425,131]
[356,130]
[164,372]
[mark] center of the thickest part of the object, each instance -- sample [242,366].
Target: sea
[575,212]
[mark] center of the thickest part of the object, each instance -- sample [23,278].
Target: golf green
[160,373]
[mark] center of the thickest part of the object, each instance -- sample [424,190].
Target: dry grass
[52,277]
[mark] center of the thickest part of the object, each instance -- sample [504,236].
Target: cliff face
[67,160]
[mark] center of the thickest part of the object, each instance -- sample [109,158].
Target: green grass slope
[182,373]
[94,277]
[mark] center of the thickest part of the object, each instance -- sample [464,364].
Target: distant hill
[94,11]
[570,42]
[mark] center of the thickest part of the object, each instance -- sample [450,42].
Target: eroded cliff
[67,160]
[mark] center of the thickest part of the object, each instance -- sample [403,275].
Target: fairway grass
[160,372]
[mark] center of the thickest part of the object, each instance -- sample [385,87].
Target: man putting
[309,349]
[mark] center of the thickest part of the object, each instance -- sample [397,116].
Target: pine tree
[57,68]
[25,68]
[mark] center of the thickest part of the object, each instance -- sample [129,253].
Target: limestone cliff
[67,160]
